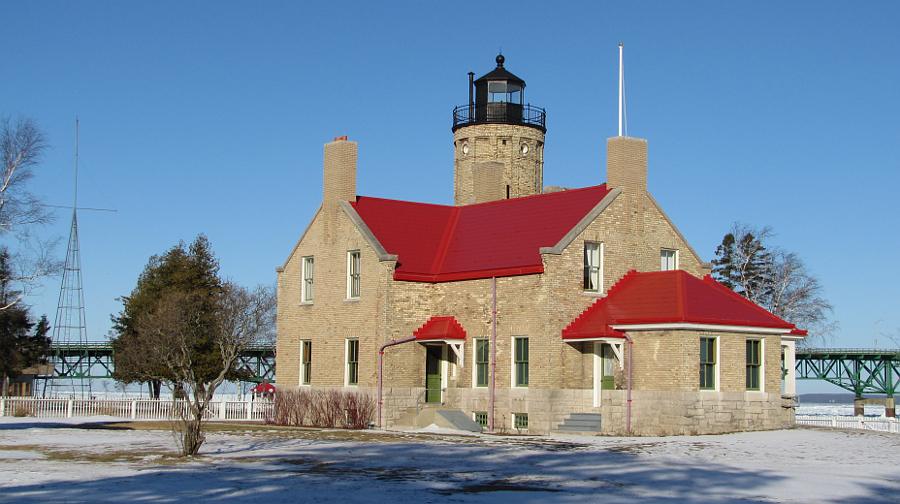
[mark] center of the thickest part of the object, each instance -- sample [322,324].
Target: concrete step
[593,416]
[580,423]
[587,424]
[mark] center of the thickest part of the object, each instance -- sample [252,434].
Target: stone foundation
[654,413]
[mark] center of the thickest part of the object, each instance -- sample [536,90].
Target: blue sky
[210,117]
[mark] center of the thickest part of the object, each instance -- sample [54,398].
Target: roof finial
[500,59]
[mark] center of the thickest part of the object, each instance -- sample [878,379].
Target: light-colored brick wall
[523,172]
[632,229]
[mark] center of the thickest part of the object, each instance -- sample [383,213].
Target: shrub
[22,411]
[322,408]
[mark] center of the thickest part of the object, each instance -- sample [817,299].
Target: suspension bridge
[96,360]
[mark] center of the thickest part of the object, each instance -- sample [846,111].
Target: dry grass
[153,456]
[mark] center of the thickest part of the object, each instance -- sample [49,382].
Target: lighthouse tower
[498,140]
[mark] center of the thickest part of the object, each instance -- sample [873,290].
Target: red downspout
[381,370]
[493,353]
[628,385]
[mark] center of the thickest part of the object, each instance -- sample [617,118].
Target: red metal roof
[439,243]
[440,328]
[661,297]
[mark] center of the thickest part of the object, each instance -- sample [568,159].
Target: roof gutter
[690,326]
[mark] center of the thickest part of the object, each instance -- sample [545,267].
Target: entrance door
[433,373]
[604,370]
[608,381]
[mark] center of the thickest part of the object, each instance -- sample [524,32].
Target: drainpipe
[381,370]
[628,383]
[493,353]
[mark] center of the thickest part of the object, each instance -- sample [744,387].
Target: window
[306,288]
[481,418]
[520,421]
[668,259]
[593,266]
[482,361]
[708,363]
[520,361]
[352,362]
[754,364]
[353,274]
[305,362]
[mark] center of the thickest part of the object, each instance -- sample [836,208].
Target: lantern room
[498,97]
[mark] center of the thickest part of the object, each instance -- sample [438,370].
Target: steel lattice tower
[71,375]
[70,328]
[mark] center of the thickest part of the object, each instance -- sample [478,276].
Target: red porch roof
[440,328]
[439,243]
[662,297]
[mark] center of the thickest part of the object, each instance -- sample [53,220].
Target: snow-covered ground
[61,461]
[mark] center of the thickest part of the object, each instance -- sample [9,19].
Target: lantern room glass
[505,92]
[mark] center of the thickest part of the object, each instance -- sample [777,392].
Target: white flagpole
[621,87]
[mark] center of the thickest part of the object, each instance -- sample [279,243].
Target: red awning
[670,297]
[439,329]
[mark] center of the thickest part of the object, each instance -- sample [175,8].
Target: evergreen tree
[743,264]
[190,273]
[19,348]
[183,326]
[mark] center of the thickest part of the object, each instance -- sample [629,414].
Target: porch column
[790,360]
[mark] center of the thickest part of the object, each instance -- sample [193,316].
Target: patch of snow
[435,429]
[799,465]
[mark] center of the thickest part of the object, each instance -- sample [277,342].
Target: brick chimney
[626,164]
[339,179]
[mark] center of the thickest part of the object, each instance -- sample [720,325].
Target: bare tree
[198,364]
[21,148]
[796,296]
[773,278]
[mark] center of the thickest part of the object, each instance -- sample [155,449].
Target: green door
[608,379]
[433,373]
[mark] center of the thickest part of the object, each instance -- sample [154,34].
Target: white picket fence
[891,425]
[145,409]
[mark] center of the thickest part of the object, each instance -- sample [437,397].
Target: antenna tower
[72,372]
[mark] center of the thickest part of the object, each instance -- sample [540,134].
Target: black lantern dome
[499,98]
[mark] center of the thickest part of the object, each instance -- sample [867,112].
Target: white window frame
[512,362]
[513,422]
[350,256]
[762,367]
[675,258]
[347,362]
[303,364]
[307,267]
[717,341]
[475,384]
[600,252]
